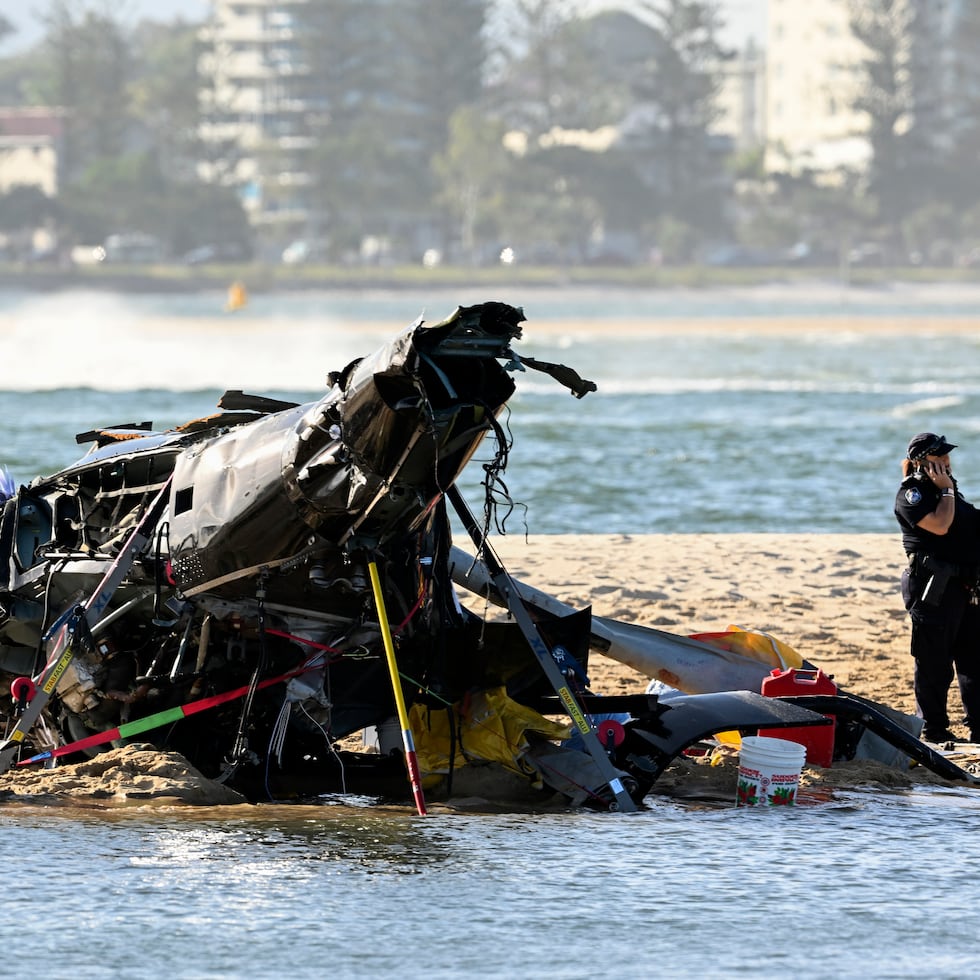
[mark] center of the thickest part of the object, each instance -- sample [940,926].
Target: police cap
[928,444]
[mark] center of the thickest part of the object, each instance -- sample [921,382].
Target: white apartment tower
[255,106]
[813,78]
[812,57]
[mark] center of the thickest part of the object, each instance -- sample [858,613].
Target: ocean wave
[928,405]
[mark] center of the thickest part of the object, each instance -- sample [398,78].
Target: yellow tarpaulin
[489,726]
[753,644]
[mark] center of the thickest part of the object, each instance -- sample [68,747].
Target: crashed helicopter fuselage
[209,588]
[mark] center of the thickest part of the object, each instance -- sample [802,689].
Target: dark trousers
[944,638]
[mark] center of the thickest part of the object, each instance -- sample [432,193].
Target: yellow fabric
[755,645]
[489,726]
[728,738]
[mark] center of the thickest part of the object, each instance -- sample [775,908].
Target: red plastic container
[818,739]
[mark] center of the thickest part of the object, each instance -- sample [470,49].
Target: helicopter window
[183,500]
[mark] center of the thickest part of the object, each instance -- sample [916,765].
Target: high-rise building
[255,106]
[812,76]
[815,74]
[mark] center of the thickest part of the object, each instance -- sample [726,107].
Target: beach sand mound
[134,775]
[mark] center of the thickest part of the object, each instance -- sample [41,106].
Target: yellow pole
[411,759]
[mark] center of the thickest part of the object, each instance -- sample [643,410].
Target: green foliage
[550,202]
[114,194]
[473,173]
[386,83]
[677,240]
[890,82]
[677,81]
[128,159]
[928,233]
[163,93]
[544,76]
[132,193]
[412,109]
[85,69]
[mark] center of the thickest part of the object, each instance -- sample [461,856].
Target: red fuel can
[818,739]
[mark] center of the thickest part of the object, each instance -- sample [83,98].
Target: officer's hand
[939,474]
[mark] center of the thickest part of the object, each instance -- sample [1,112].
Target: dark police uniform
[939,590]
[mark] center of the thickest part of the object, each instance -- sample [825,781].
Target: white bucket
[769,771]
[386,737]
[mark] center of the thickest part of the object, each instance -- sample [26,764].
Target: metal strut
[90,612]
[515,604]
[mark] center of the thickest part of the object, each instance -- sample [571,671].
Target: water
[739,432]
[690,432]
[863,886]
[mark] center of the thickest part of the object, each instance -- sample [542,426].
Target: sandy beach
[833,598]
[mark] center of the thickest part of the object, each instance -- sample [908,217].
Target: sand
[834,598]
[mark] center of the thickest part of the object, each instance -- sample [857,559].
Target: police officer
[941,535]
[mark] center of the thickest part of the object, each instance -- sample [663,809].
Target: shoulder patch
[913,496]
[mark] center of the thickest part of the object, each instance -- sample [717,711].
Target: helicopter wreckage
[253,588]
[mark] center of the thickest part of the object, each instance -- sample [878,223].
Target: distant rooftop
[31,121]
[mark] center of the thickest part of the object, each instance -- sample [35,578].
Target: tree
[803,207]
[561,82]
[134,193]
[886,95]
[384,80]
[543,70]
[113,194]
[129,101]
[472,172]
[438,63]
[164,95]
[963,109]
[24,207]
[678,80]
[346,49]
[88,74]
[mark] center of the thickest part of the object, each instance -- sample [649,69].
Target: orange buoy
[237,297]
